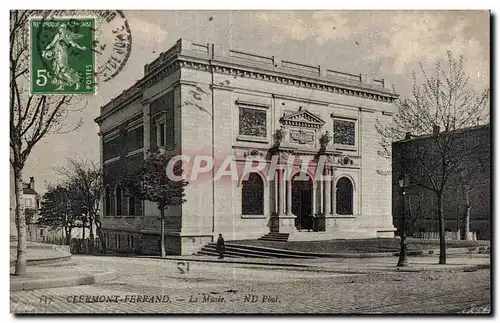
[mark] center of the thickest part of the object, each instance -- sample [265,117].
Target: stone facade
[474,150]
[205,99]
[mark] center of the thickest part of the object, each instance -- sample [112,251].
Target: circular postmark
[80,48]
[113,43]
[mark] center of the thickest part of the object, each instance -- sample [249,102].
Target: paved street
[169,286]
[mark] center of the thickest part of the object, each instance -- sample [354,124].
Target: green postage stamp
[62,56]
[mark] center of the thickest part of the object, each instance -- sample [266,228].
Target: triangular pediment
[303,119]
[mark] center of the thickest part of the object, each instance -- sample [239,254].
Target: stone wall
[206,85]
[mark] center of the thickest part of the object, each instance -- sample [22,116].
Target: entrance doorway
[302,191]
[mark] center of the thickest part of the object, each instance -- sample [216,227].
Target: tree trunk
[83,238]
[91,236]
[22,252]
[100,235]
[442,242]
[467,217]
[68,235]
[162,220]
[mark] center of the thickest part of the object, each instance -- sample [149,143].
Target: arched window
[107,201]
[252,195]
[118,199]
[344,196]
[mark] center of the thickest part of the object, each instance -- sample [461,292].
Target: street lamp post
[403,254]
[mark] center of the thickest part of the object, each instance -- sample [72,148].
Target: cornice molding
[279,77]
[297,99]
[288,79]
[252,72]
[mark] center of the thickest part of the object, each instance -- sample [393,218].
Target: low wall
[448,235]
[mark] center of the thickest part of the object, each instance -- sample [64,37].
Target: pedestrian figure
[220,248]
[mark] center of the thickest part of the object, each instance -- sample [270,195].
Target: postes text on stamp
[62,59]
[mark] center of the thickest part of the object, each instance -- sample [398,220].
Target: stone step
[259,252]
[209,253]
[275,236]
[234,253]
[238,252]
[272,238]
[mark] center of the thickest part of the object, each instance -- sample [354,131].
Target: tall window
[111,146]
[118,198]
[252,195]
[107,201]
[131,205]
[163,108]
[344,196]
[135,138]
[160,133]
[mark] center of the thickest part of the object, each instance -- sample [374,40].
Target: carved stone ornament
[345,161]
[302,119]
[284,155]
[253,153]
[301,136]
[325,139]
[279,135]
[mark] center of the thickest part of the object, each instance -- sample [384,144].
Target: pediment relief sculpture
[302,136]
[302,119]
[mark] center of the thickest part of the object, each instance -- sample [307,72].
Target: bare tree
[59,210]
[472,178]
[32,117]
[438,109]
[85,179]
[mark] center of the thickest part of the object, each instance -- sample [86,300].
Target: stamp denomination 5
[62,60]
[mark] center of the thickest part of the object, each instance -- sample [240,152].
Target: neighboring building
[31,205]
[31,200]
[476,159]
[204,99]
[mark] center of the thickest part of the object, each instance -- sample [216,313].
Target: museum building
[206,99]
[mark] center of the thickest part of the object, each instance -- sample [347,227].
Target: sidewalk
[455,262]
[51,266]
[41,253]
[60,275]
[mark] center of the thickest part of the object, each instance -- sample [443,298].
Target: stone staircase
[275,236]
[247,251]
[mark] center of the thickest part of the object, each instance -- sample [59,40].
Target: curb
[458,268]
[395,270]
[51,260]
[449,251]
[313,267]
[259,263]
[62,281]
[43,261]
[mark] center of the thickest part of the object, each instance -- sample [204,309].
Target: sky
[386,44]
